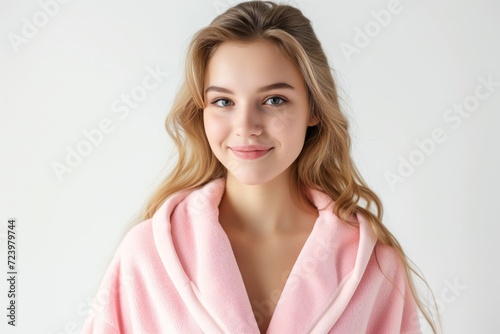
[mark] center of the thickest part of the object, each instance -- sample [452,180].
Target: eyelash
[214,102]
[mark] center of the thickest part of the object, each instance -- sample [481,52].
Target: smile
[250,155]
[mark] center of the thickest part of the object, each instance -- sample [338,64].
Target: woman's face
[254,96]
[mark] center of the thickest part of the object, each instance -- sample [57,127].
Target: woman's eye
[276,100]
[216,102]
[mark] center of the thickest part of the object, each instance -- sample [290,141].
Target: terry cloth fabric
[177,273]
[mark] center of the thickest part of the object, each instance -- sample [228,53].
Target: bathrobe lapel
[198,256]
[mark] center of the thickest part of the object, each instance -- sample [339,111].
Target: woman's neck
[262,211]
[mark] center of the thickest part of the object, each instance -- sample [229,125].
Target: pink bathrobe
[176,273]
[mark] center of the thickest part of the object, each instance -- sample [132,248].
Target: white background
[66,76]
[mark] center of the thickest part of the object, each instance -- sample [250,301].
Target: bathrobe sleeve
[399,302]
[122,304]
[383,302]
[136,294]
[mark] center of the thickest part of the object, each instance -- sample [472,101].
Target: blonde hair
[325,162]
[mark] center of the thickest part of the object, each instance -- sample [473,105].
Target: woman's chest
[265,267]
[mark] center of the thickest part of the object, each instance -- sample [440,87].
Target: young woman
[259,228]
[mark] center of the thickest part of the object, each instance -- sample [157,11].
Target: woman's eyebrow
[260,90]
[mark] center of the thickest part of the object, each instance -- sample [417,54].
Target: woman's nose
[248,120]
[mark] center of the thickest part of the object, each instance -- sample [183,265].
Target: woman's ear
[312,121]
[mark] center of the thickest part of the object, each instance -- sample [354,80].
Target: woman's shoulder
[389,266]
[137,242]
[139,231]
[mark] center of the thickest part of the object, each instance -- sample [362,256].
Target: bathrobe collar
[198,256]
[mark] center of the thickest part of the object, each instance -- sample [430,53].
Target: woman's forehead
[255,64]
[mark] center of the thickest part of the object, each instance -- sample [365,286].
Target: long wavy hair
[325,162]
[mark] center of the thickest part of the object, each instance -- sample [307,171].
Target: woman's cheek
[282,121]
[211,124]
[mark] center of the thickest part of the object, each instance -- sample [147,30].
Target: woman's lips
[250,154]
